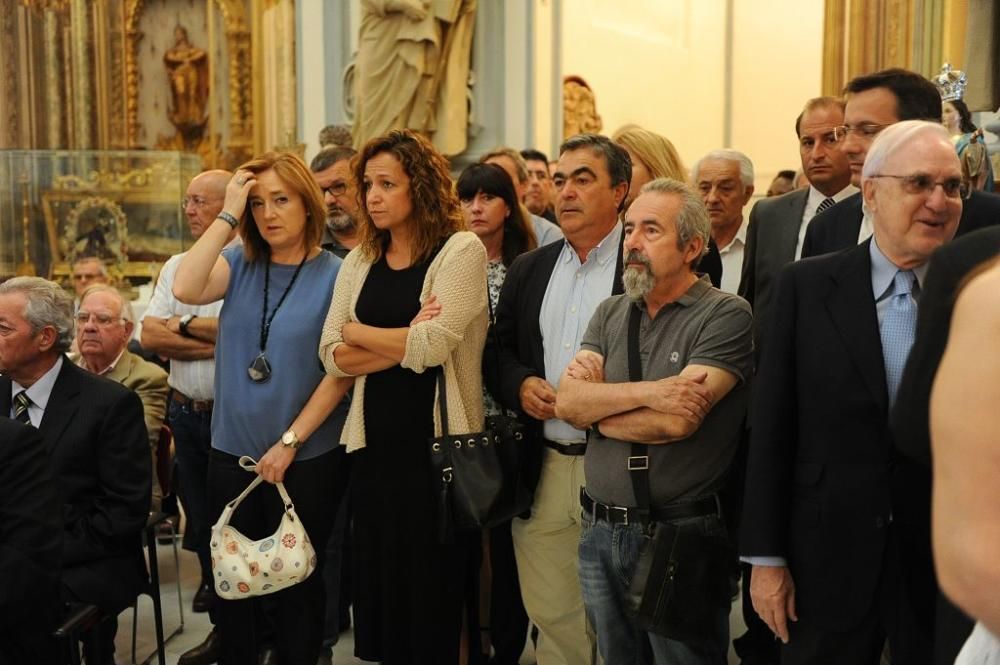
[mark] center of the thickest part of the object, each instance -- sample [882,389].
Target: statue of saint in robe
[412,70]
[187,69]
[579,108]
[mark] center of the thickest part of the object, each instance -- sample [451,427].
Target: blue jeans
[192,432]
[608,554]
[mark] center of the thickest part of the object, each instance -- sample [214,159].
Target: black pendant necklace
[260,368]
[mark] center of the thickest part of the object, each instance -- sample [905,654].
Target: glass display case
[121,206]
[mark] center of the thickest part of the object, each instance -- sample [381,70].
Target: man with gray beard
[686,414]
[331,168]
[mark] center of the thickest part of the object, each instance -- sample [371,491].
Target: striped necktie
[21,404]
[824,205]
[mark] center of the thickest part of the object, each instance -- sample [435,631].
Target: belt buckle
[638,462]
[623,511]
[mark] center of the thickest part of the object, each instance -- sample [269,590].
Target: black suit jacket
[818,477]
[910,416]
[30,545]
[521,354]
[838,227]
[772,234]
[94,433]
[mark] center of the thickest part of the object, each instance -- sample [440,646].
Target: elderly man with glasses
[185,335]
[104,325]
[832,537]
[874,102]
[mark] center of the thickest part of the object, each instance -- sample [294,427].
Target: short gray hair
[93,259]
[126,312]
[894,137]
[48,305]
[692,220]
[725,154]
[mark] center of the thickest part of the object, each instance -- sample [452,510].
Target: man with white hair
[825,535]
[98,453]
[684,418]
[724,178]
[104,325]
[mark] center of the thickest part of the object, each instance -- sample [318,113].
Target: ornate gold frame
[237,33]
[152,185]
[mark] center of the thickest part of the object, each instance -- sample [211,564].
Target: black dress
[409,591]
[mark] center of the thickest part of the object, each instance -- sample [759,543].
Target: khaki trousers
[546,546]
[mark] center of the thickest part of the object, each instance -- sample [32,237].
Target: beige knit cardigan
[454,338]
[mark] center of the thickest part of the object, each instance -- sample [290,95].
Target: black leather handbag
[681,579]
[477,476]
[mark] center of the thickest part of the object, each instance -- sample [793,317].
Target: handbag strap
[638,461]
[442,401]
[250,464]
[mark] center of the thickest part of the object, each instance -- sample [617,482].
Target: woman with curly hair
[409,303]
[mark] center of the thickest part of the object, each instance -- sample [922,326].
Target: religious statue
[579,108]
[970,143]
[187,69]
[412,70]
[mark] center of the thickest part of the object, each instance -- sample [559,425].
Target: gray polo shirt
[703,327]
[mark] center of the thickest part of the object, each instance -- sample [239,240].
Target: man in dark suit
[910,423]
[30,539]
[875,101]
[778,224]
[545,305]
[819,523]
[95,436]
[774,239]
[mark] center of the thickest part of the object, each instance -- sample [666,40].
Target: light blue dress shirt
[883,272]
[545,231]
[574,292]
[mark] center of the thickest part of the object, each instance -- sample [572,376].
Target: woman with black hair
[491,211]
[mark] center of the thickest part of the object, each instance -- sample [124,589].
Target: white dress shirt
[38,393]
[194,378]
[815,198]
[732,260]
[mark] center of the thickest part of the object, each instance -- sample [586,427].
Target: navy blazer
[521,354]
[818,476]
[94,433]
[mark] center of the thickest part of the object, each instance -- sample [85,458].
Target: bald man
[185,335]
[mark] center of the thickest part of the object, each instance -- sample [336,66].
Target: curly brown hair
[296,175]
[436,213]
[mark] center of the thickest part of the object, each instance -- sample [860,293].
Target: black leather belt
[675,511]
[196,405]
[571,449]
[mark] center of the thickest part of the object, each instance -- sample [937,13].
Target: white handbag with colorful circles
[243,568]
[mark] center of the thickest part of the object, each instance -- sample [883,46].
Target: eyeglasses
[335,189]
[921,183]
[867,130]
[103,320]
[198,201]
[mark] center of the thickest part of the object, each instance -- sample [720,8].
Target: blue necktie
[899,325]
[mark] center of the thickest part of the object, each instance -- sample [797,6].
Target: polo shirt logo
[674,357]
